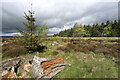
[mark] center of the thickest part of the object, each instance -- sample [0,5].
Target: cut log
[47,67]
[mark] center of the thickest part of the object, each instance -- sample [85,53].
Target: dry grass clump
[114,40]
[79,49]
[13,50]
[7,39]
[61,48]
[88,46]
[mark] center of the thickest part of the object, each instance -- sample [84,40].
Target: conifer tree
[30,39]
[75,27]
[107,31]
[80,31]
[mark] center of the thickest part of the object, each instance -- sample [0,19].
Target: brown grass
[13,50]
[88,46]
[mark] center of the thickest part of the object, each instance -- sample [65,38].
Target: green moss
[18,74]
[29,75]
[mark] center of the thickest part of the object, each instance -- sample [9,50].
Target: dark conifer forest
[108,29]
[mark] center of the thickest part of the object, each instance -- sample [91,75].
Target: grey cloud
[59,15]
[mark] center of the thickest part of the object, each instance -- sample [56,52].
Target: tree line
[107,29]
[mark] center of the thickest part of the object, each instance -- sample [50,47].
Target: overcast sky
[57,14]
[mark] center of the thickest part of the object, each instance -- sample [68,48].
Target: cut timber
[18,67]
[47,67]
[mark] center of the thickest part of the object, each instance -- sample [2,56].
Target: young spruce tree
[30,40]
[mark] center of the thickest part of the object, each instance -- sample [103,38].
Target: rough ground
[19,67]
[95,63]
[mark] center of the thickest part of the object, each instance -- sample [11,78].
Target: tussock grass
[83,65]
[90,65]
[98,38]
